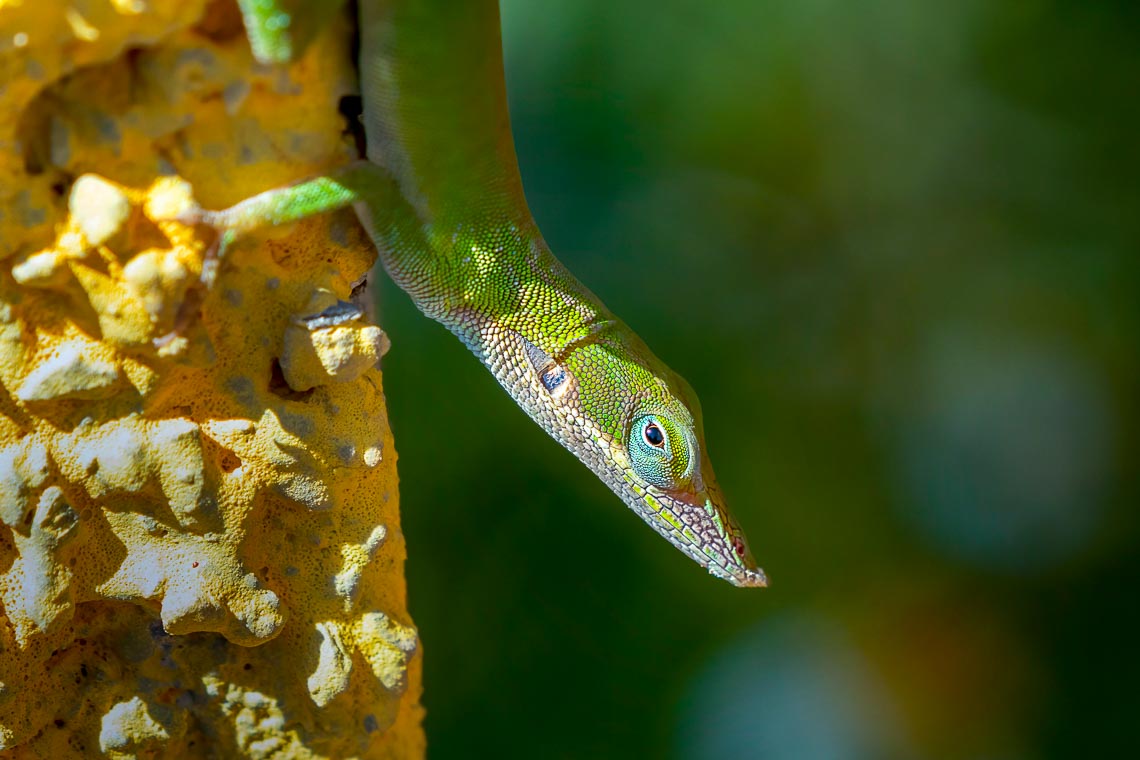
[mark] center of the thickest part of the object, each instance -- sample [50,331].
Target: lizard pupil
[738,545]
[654,436]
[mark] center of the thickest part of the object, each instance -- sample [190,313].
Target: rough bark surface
[200,552]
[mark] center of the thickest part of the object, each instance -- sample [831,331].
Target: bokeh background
[894,247]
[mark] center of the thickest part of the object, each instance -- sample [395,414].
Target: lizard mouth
[743,577]
[695,524]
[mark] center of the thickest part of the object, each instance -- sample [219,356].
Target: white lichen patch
[160,459]
[44,269]
[37,590]
[295,470]
[152,276]
[259,724]
[98,207]
[23,469]
[334,665]
[389,645]
[134,728]
[356,557]
[73,369]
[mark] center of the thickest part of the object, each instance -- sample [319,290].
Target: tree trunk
[201,552]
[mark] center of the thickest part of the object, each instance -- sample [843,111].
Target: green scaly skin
[442,199]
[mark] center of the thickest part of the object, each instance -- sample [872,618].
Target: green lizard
[441,197]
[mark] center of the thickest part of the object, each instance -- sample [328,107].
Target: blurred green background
[893,245]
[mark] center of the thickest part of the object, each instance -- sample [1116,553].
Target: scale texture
[463,244]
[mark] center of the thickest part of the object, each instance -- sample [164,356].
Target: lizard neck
[436,113]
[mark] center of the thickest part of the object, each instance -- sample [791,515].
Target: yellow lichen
[200,552]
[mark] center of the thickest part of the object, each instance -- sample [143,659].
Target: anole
[441,197]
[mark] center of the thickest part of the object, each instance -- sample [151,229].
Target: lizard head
[601,392]
[669,481]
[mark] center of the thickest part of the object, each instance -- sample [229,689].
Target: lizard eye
[653,435]
[660,451]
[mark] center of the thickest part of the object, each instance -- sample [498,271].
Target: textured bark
[201,550]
